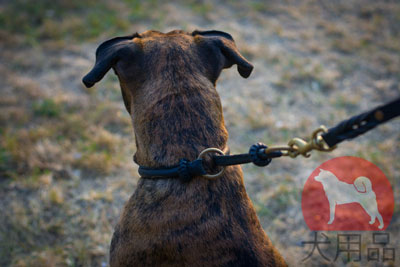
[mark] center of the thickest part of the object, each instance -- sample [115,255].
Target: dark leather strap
[362,123]
[245,158]
[186,170]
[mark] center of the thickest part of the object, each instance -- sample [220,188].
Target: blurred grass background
[65,151]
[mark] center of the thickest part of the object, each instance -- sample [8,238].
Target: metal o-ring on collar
[210,150]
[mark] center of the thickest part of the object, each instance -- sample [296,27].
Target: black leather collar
[185,171]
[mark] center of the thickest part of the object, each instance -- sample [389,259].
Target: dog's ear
[227,47]
[107,55]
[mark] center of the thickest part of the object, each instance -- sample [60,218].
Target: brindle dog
[168,87]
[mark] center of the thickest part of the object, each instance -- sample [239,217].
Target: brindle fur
[168,86]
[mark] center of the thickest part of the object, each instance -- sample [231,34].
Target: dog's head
[323,176]
[170,57]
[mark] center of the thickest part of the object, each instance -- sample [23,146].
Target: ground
[66,165]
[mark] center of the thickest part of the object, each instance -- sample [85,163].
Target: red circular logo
[347,194]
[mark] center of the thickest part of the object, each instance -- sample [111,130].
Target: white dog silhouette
[339,192]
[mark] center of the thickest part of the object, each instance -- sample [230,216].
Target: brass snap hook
[302,147]
[298,146]
[318,141]
[210,150]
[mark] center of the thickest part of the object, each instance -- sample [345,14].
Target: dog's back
[202,223]
[342,192]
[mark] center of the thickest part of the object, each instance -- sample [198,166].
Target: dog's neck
[176,122]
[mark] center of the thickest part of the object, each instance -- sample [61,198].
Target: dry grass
[65,152]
